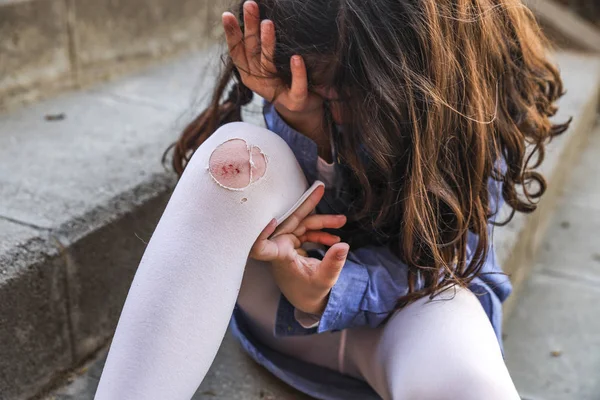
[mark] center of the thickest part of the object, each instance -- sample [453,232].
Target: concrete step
[51,45]
[81,189]
[553,338]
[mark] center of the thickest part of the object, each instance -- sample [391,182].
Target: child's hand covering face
[304,281]
[252,52]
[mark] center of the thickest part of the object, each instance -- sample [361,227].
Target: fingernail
[296,61]
[265,26]
[342,254]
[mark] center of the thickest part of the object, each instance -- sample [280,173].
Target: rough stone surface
[232,376]
[34,333]
[34,47]
[60,170]
[574,246]
[183,87]
[552,340]
[12,237]
[108,32]
[49,45]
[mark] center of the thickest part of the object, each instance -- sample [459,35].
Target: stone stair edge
[28,247]
[49,321]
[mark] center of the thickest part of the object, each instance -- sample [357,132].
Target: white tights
[190,276]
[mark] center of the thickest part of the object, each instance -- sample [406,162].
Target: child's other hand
[252,53]
[304,281]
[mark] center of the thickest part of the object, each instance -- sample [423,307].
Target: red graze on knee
[230,170]
[235,165]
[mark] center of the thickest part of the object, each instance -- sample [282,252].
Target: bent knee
[246,164]
[236,164]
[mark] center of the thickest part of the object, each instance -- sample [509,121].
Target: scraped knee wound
[235,164]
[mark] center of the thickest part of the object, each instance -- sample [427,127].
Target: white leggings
[190,277]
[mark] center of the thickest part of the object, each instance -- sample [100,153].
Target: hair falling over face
[438,97]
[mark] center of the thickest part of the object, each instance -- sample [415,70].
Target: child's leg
[445,349]
[183,294]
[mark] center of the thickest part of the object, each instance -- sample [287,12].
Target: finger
[329,269]
[320,237]
[295,240]
[268,231]
[264,250]
[292,222]
[284,247]
[299,91]
[267,41]
[251,35]
[318,221]
[235,41]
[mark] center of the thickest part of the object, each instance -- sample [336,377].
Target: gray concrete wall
[51,45]
[34,49]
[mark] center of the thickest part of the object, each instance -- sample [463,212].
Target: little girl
[396,130]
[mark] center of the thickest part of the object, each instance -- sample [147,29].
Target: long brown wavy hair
[439,97]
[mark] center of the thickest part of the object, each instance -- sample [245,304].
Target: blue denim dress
[366,293]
